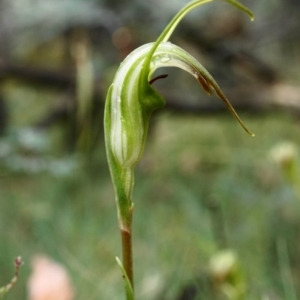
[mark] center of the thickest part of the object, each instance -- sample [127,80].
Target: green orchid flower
[131,100]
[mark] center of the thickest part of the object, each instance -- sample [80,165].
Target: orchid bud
[131,99]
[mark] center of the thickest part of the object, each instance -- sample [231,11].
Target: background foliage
[203,185]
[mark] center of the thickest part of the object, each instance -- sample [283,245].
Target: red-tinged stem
[127,254]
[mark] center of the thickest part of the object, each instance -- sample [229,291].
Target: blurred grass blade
[285,270]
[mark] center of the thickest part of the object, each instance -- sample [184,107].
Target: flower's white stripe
[135,115]
[119,138]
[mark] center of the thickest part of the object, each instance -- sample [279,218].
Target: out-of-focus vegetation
[203,185]
[217,212]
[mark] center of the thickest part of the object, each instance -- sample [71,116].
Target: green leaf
[128,287]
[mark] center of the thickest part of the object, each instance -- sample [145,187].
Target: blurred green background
[217,213]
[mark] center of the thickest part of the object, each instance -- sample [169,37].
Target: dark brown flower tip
[158,77]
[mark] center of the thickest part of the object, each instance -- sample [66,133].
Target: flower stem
[127,254]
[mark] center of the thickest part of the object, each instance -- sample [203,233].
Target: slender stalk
[127,254]
[5,289]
